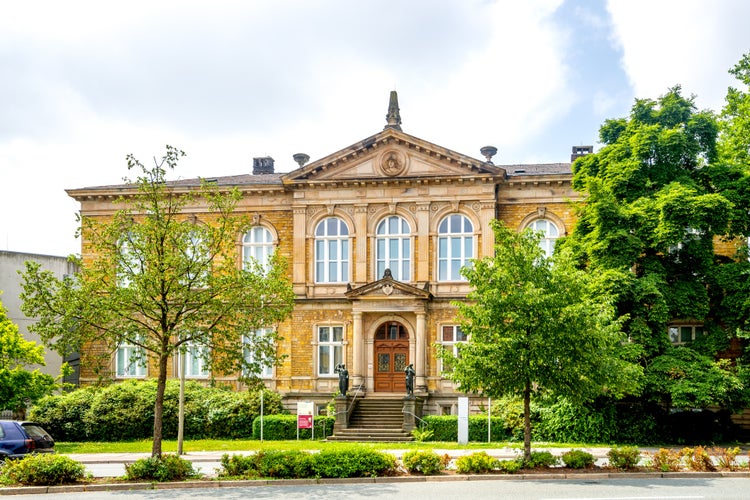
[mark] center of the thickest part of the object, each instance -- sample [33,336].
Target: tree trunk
[527,422]
[161,385]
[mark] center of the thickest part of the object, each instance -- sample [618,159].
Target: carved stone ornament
[387,289]
[392,163]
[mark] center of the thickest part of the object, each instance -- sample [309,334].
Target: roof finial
[393,118]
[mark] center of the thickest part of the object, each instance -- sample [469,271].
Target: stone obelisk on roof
[393,118]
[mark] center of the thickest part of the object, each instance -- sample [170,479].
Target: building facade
[375,235]
[13,263]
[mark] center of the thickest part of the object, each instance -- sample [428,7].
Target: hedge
[125,411]
[284,427]
[445,428]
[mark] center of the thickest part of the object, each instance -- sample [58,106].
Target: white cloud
[687,42]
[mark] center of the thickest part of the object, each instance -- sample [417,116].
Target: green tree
[537,326]
[157,278]
[17,383]
[657,198]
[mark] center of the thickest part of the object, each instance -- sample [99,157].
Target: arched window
[393,248]
[257,246]
[550,232]
[332,251]
[455,246]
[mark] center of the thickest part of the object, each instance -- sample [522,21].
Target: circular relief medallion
[392,163]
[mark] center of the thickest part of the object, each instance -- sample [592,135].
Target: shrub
[62,415]
[421,435]
[698,459]
[578,459]
[353,462]
[445,428]
[726,457]
[284,427]
[238,466]
[163,468]
[287,464]
[603,420]
[42,470]
[125,411]
[509,466]
[426,462]
[475,463]
[541,459]
[667,460]
[624,457]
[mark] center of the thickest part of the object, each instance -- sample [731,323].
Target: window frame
[448,236]
[136,358]
[676,331]
[335,354]
[547,243]
[452,344]
[189,353]
[266,248]
[267,371]
[325,242]
[403,246]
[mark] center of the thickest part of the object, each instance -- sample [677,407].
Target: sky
[84,83]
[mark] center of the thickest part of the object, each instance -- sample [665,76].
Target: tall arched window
[332,251]
[455,246]
[257,245]
[393,248]
[551,233]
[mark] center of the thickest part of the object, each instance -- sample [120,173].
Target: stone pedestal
[412,412]
[342,414]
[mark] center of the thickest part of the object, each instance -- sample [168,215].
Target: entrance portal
[391,357]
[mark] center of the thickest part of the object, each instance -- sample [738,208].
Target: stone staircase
[375,420]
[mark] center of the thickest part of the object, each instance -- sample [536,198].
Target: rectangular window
[330,349]
[130,362]
[683,334]
[195,358]
[452,336]
[251,355]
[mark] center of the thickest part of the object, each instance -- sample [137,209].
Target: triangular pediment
[389,156]
[388,287]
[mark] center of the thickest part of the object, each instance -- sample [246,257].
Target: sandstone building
[375,235]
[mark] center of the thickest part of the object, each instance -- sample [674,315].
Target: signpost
[463,420]
[305,419]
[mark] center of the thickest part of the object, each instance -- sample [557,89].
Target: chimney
[263,165]
[579,151]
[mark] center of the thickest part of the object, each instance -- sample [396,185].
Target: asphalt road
[605,489]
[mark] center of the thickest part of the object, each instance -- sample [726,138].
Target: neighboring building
[375,235]
[11,263]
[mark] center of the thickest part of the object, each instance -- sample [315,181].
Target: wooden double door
[391,357]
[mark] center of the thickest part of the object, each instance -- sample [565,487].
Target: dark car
[18,439]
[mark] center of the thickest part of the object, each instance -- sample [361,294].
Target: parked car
[18,439]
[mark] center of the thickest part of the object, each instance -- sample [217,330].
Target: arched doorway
[391,357]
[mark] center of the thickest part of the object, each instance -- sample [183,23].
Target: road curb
[102,487]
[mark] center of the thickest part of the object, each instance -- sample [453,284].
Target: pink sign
[304,421]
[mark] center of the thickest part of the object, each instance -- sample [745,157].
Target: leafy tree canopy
[659,195]
[538,326]
[157,276]
[17,382]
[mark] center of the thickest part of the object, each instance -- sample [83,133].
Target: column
[420,384]
[486,214]
[358,349]
[423,242]
[360,243]
[299,230]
